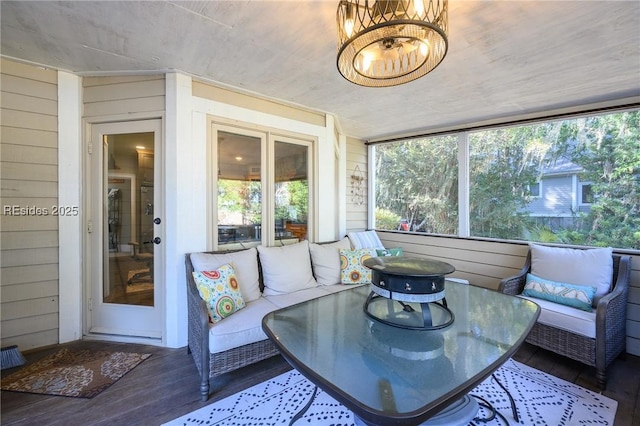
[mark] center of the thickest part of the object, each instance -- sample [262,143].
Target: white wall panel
[29,237]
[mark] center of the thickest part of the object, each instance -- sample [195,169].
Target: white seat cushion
[241,328]
[566,318]
[288,299]
[457,280]
[339,287]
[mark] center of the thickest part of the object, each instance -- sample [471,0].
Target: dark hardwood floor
[165,386]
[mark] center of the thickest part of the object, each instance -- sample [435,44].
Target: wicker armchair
[610,340]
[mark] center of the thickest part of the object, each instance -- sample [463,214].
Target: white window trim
[268,137]
[539,185]
[464,218]
[580,186]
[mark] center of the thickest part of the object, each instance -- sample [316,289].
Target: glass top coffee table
[386,374]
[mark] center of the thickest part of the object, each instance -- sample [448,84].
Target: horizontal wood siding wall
[29,174]
[356,213]
[114,96]
[204,90]
[485,263]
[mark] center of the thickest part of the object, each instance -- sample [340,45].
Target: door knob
[157,240]
[157,221]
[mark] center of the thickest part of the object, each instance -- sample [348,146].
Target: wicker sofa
[238,340]
[603,330]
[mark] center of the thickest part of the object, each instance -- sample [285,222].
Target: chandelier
[389,42]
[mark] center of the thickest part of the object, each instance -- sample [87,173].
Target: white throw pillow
[325,260]
[286,269]
[590,267]
[245,265]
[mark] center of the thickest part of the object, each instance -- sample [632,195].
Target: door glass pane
[239,191]
[291,192]
[128,219]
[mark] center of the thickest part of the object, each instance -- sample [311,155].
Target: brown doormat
[81,374]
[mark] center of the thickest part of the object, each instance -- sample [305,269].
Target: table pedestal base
[408,317]
[461,412]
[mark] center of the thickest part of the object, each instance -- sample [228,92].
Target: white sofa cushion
[245,264]
[566,318]
[325,260]
[590,267]
[241,328]
[286,269]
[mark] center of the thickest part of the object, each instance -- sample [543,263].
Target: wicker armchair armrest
[515,284]
[198,329]
[611,311]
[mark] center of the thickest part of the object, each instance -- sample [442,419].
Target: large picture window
[572,181]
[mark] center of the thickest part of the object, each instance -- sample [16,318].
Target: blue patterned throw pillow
[576,296]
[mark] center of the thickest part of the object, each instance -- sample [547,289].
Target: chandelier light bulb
[348,27]
[349,20]
[424,47]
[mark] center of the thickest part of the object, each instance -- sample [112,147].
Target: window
[589,167]
[534,190]
[586,193]
[263,188]
[416,185]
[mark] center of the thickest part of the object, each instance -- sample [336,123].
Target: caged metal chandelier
[389,42]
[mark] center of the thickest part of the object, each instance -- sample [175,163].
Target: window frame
[538,185]
[268,137]
[581,186]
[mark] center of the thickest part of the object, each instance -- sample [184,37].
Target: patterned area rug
[541,399]
[82,374]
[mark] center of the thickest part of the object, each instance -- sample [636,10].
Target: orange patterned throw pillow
[352,271]
[221,291]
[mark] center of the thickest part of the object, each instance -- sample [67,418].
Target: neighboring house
[560,196]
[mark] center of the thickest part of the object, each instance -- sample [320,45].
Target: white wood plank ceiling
[505,58]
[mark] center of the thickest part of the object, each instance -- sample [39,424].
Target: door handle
[157,240]
[157,221]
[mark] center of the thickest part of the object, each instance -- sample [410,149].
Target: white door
[124,231]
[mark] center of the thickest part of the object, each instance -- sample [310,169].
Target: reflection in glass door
[239,190]
[291,189]
[128,227]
